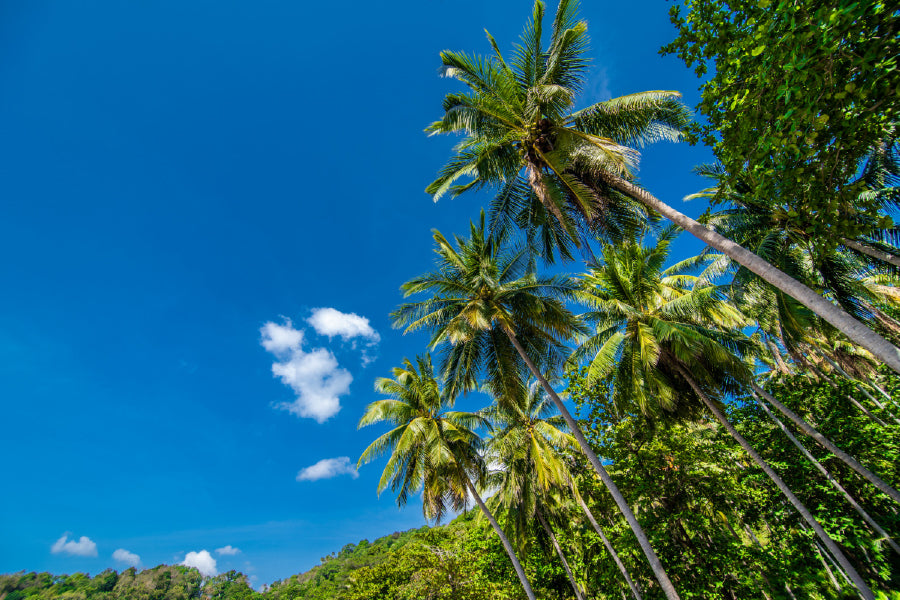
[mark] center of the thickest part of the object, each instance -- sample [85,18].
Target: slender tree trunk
[887,396]
[635,590]
[652,558]
[828,445]
[858,581]
[873,252]
[831,577]
[834,482]
[858,332]
[562,557]
[865,411]
[508,546]
[861,388]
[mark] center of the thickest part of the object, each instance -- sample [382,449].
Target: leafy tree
[797,93]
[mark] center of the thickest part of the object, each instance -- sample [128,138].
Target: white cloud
[83,547]
[124,556]
[331,322]
[315,376]
[202,561]
[228,550]
[328,468]
[278,339]
[318,381]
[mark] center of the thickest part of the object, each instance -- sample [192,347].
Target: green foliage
[709,512]
[160,583]
[800,91]
[826,405]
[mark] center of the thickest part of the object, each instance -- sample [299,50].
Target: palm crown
[431,450]
[517,119]
[483,293]
[648,319]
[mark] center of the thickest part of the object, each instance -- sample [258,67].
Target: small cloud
[202,561]
[124,556]
[315,376]
[228,550]
[331,322]
[328,468]
[317,380]
[278,339]
[83,547]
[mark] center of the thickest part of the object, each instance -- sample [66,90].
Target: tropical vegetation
[725,425]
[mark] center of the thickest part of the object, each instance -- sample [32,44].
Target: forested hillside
[718,523]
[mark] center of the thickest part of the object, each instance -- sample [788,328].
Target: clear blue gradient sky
[174,176]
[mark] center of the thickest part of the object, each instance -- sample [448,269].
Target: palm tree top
[432,450]
[520,110]
[482,292]
[648,318]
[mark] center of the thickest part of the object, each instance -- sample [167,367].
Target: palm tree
[495,316]
[519,132]
[431,450]
[663,340]
[530,443]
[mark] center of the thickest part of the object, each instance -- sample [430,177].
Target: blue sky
[184,184]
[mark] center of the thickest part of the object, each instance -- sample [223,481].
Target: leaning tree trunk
[635,590]
[865,392]
[562,557]
[508,546]
[834,482]
[832,313]
[652,558]
[858,581]
[873,252]
[828,445]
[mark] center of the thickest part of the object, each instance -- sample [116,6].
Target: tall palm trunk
[873,252]
[856,331]
[508,546]
[834,482]
[828,445]
[562,557]
[833,548]
[652,558]
[635,590]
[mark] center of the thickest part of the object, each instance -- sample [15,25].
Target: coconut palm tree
[530,444]
[495,316]
[431,450]
[667,342]
[521,133]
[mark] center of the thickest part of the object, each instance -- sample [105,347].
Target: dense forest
[736,428]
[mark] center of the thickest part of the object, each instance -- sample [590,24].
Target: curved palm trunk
[834,482]
[562,557]
[858,332]
[652,558]
[833,548]
[635,590]
[873,252]
[828,445]
[509,549]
